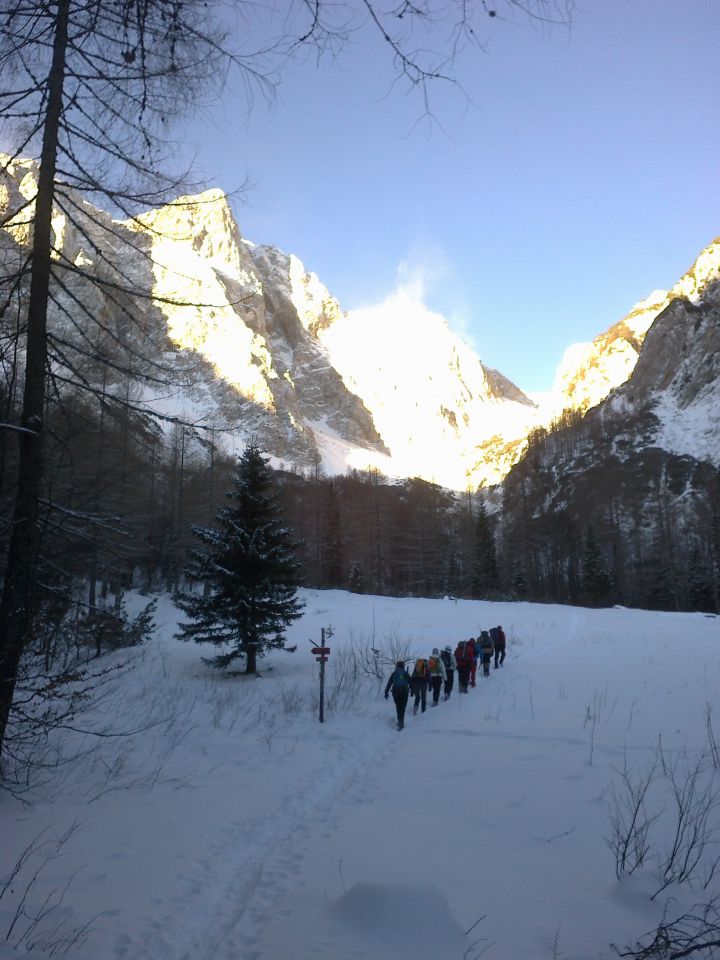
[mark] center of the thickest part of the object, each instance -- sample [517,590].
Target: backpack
[494,634]
[462,650]
[420,666]
[433,664]
[400,679]
[446,658]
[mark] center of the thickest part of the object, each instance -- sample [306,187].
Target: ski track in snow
[244,902]
[237,906]
[235,890]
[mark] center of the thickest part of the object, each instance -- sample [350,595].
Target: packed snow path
[271,837]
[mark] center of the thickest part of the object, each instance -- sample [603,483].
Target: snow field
[239,828]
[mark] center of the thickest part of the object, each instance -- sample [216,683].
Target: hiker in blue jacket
[399,683]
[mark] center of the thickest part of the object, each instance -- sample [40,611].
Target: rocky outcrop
[243,340]
[675,386]
[590,371]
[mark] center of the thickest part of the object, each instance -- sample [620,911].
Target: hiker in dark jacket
[399,683]
[477,658]
[487,650]
[473,648]
[420,683]
[499,642]
[450,668]
[464,653]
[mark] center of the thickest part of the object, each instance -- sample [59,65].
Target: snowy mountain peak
[204,223]
[433,400]
[588,372]
[704,271]
[268,351]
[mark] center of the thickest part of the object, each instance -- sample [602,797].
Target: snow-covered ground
[234,826]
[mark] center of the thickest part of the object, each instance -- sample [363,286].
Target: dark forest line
[123,491]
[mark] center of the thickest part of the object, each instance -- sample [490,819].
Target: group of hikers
[436,673]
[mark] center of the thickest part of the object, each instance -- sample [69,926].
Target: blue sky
[582,175]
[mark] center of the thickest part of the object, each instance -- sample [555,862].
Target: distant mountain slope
[675,386]
[261,347]
[641,470]
[432,399]
[589,371]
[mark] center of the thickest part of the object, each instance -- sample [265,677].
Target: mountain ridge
[266,350]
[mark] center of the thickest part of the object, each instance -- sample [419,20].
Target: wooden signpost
[321,655]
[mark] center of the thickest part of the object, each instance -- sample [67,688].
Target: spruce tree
[485,577]
[249,562]
[595,578]
[331,543]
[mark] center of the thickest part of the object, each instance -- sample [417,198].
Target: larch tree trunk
[16,601]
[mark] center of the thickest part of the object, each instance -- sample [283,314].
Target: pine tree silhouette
[249,561]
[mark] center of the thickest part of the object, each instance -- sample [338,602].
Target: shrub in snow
[669,815]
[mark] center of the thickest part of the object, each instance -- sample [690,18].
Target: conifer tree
[484,569]
[715,545]
[249,561]
[595,578]
[357,579]
[331,546]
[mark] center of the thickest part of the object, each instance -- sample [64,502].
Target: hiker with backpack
[399,683]
[476,657]
[486,650]
[499,642]
[450,666]
[438,676]
[464,653]
[420,682]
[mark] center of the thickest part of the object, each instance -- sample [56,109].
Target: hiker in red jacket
[464,653]
[499,641]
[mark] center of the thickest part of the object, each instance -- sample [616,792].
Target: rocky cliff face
[258,346]
[675,385]
[588,372]
[241,309]
[432,399]
[641,469]
[261,347]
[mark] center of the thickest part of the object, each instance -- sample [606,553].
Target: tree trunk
[251,653]
[15,605]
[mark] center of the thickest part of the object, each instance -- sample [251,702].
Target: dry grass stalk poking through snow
[32,920]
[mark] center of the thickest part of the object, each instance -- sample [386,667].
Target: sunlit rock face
[392,388]
[260,346]
[432,399]
[590,371]
[675,386]
[208,290]
[243,364]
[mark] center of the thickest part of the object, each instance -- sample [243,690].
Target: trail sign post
[321,655]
